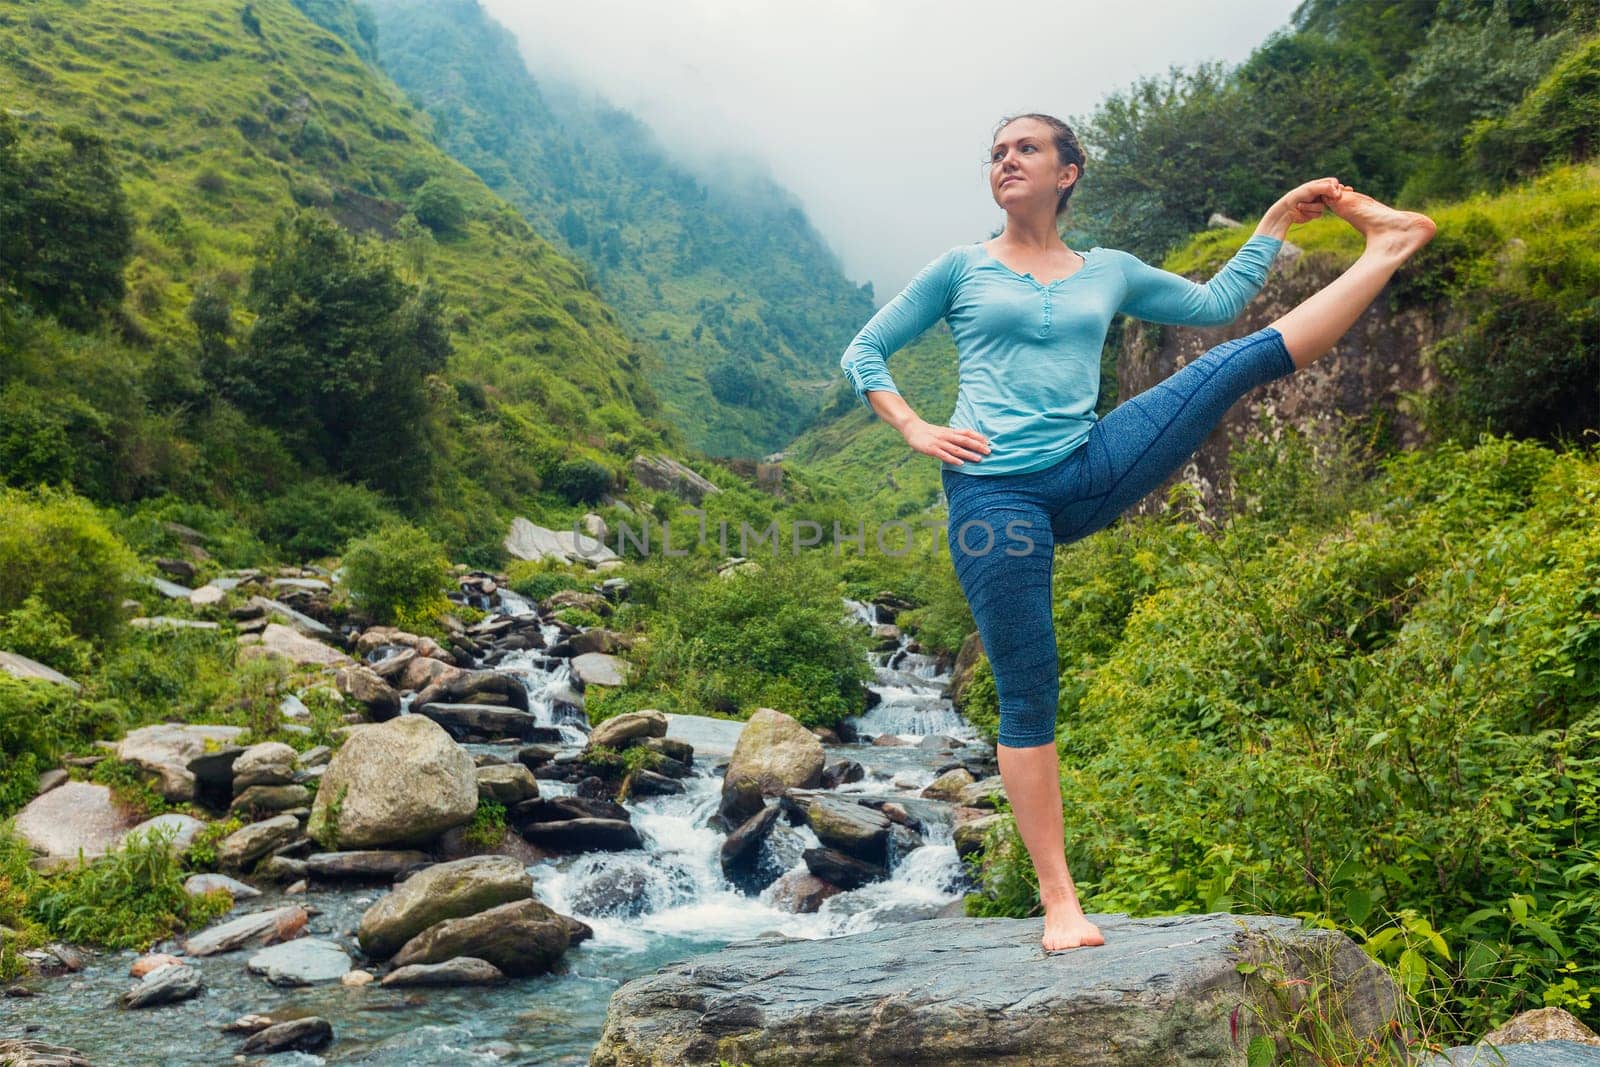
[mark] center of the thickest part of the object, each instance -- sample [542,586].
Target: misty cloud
[877,114]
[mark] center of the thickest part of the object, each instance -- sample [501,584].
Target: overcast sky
[875,113]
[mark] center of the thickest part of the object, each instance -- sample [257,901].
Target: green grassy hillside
[742,298]
[221,121]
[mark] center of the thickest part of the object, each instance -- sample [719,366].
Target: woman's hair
[1068,150]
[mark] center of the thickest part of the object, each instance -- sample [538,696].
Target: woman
[1029,318]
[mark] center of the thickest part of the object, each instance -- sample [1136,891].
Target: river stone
[969,835]
[74,816]
[393,665]
[272,798]
[269,763]
[522,938]
[400,782]
[475,687]
[598,668]
[373,865]
[243,847]
[558,809]
[1541,1024]
[183,829]
[507,784]
[363,685]
[843,824]
[801,892]
[200,884]
[281,641]
[948,786]
[304,624]
[444,891]
[620,731]
[20,666]
[648,783]
[670,747]
[777,752]
[25,1052]
[846,872]
[425,671]
[959,990]
[262,927]
[164,985]
[986,793]
[304,961]
[463,970]
[741,848]
[583,835]
[311,1034]
[486,722]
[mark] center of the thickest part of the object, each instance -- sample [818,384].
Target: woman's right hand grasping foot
[946,442]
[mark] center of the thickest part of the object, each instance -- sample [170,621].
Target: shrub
[130,899]
[397,571]
[537,579]
[33,630]
[488,825]
[439,207]
[55,546]
[321,517]
[580,481]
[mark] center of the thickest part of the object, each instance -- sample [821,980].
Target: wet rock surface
[973,991]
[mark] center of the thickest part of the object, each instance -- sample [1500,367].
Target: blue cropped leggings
[1003,528]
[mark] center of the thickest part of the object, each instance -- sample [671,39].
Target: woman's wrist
[1275,223]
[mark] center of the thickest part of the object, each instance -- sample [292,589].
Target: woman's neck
[1032,235]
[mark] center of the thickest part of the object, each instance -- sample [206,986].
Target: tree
[65,231]
[439,207]
[339,355]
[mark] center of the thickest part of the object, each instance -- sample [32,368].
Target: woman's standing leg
[1003,554]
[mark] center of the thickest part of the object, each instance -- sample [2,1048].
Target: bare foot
[1396,233]
[1066,927]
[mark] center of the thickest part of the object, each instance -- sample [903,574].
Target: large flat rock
[71,817]
[960,990]
[1529,1054]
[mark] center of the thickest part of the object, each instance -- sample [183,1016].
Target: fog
[875,114]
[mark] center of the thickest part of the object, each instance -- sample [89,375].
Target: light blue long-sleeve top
[1029,354]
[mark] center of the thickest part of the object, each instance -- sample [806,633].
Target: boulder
[961,673]
[444,891]
[948,786]
[269,763]
[667,474]
[1527,1054]
[481,722]
[507,784]
[531,542]
[844,871]
[257,928]
[305,961]
[777,752]
[801,892]
[521,938]
[363,685]
[244,846]
[145,964]
[958,990]
[200,884]
[597,668]
[839,823]
[180,828]
[475,687]
[164,985]
[463,970]
[985,793]
[20,666]
[425,671]
[303,624]
[1542,1024]
[281,641]
[556,809]
[400,782]
[373,865]
[272,798]
[72,817]
[309,1034]
[620,731]
[583,835]
[969,835]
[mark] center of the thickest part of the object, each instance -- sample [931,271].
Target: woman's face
[1024,171]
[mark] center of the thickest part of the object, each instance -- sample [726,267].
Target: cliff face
[1370,373]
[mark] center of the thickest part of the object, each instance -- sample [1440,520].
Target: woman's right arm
[899,322]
